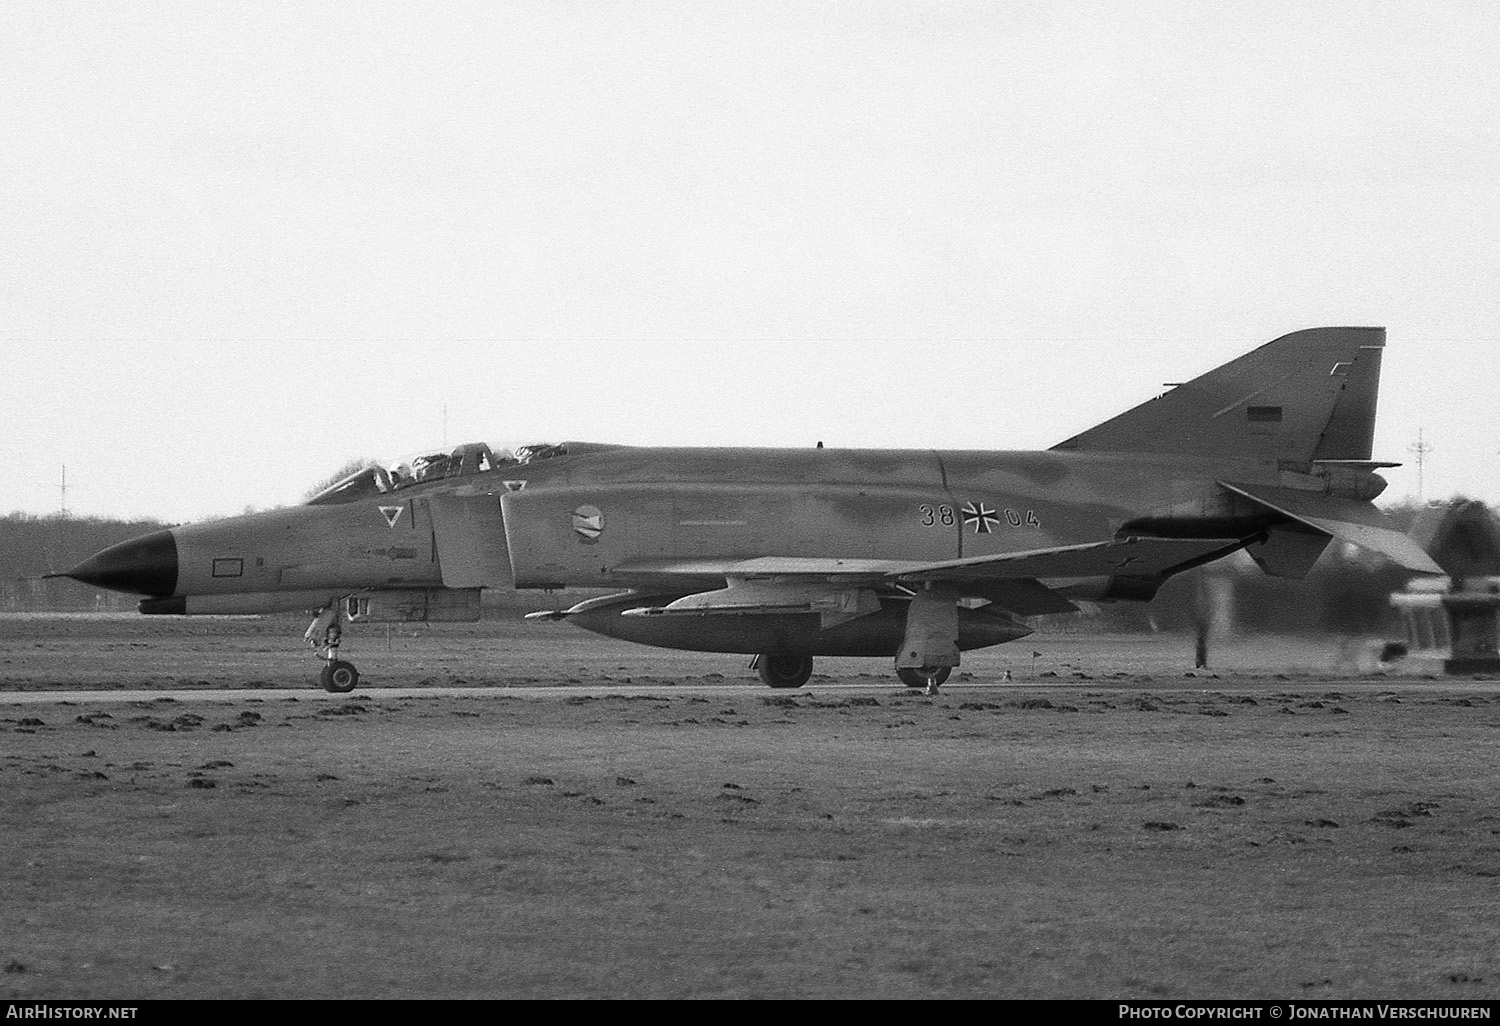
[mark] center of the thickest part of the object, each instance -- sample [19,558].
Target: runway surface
[728,691]
[506,812]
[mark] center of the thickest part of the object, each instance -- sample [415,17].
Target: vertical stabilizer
[1307,396]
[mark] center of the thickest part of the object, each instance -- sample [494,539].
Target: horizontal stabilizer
[1358,464]
[1349,520]
[1463,537]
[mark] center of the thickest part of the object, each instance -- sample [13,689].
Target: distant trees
[353,466]
[31,546]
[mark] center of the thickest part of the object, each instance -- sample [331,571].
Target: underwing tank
[877,634]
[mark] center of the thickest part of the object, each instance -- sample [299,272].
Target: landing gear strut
[784,671]
[324,635]
[930,649]
[930,678]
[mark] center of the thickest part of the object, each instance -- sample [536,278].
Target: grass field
[1298,826]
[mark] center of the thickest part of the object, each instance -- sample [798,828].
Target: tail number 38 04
[981,518]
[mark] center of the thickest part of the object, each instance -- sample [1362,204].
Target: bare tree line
[31,546]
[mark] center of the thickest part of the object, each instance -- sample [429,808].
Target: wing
[1131,557]
[843,588]
[1123,557]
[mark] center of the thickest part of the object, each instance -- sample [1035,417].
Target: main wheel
[917,679]
[340,677]
[786,671]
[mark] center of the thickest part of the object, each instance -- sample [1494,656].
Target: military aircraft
[789,554]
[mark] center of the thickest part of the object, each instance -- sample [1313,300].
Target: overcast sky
[243,243]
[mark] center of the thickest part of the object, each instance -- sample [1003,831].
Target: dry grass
[1142,834]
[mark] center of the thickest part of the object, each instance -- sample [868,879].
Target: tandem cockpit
[427,467]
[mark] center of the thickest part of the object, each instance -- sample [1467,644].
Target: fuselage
[713,504]
[592,517]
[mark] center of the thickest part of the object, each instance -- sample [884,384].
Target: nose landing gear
[324,636]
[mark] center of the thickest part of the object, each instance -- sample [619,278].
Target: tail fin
[1307,396]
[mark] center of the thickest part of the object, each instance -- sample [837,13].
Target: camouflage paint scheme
[787,554]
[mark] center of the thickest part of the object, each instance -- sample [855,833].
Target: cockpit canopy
[427,467]
[382,479]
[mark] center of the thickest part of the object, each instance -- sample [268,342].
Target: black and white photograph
[837,500]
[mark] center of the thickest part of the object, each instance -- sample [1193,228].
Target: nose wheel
[339,677]
[325,634]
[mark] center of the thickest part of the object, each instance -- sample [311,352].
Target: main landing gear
[783,671]
[930,678]
[324,635]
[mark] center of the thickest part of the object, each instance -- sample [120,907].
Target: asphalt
[542,691]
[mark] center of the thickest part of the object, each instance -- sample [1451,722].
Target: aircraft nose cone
[142,566]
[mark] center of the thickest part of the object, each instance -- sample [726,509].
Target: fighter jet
[790,554]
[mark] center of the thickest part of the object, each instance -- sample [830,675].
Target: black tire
[916,679]
[786,671]
[339,677]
